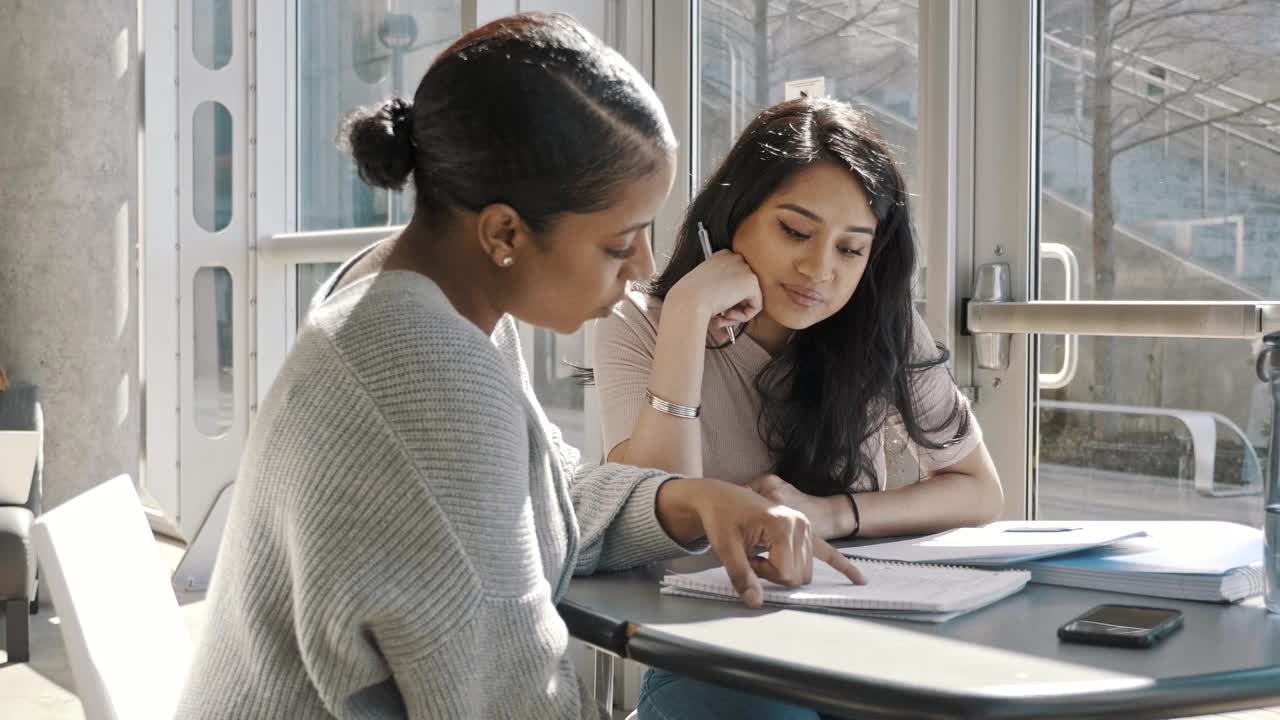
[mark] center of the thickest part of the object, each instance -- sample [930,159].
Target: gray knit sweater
[404,521]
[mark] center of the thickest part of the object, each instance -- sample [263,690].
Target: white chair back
[126,642]
[18,452]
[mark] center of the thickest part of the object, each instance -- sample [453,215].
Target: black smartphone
[1122,625]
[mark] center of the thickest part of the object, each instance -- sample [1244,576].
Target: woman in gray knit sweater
[405,517]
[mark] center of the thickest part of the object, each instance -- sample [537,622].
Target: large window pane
[1160,149]
[1160,171]
[353,53]
[865,52]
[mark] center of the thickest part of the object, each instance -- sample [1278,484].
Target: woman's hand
[829,517]
[735,520]
[723,289]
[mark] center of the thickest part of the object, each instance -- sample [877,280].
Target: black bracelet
[857,517]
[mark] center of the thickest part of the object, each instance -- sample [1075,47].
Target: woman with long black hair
[778,362]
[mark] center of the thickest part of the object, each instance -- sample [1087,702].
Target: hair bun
[380,141]
[399,113]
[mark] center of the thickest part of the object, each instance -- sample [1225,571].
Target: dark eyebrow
[633,228]
[817,218]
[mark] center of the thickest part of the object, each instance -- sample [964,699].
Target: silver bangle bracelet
[680,411]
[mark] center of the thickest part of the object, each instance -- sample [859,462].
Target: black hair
[831,387]
[531,110]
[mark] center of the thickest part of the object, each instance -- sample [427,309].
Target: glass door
[1150,188]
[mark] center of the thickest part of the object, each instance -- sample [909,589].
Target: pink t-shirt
[732,446]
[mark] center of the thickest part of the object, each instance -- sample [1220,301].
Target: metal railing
[1223,98]
[1203,429]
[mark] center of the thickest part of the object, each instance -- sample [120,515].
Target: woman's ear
[503,234]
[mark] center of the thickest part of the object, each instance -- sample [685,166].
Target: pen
[705,240]
[1041,529]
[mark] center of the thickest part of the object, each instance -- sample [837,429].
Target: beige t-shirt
[733,448]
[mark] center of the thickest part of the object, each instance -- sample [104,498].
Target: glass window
[211,166]
[211,32]
[865,52]
[591,13]
[1160,152]
[309,279]
[353,53]
[1160,171]
[1192,445]
[211,364]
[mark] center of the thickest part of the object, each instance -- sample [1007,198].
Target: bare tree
[817,23]
[1128,32]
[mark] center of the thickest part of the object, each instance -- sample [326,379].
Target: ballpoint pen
[705,240]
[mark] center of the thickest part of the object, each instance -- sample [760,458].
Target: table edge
[833,692]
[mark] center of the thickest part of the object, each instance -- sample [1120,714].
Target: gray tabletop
[1004,660]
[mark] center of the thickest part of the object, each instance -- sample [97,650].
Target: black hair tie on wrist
[857,517]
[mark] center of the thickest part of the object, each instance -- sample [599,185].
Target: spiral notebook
[900,591]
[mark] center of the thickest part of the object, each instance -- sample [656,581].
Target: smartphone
[1122,625]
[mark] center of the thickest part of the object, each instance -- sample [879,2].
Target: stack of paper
[926,593]
[999,544]
[1207,561]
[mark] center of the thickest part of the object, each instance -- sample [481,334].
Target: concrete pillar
[69,99]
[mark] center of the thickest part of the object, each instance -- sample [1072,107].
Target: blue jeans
[666,696]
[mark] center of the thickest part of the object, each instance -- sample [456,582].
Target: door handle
[1071,343]
[992,287]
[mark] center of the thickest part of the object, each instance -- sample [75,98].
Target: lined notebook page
[890,586]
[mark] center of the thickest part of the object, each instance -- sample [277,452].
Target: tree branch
[859,14]
[1128,12]
[736,10]
[1195,88]
[1165,103]
[887,74]
[1147,46]
[1068,134]
[1192,126]
[1157,15]
[845,23]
